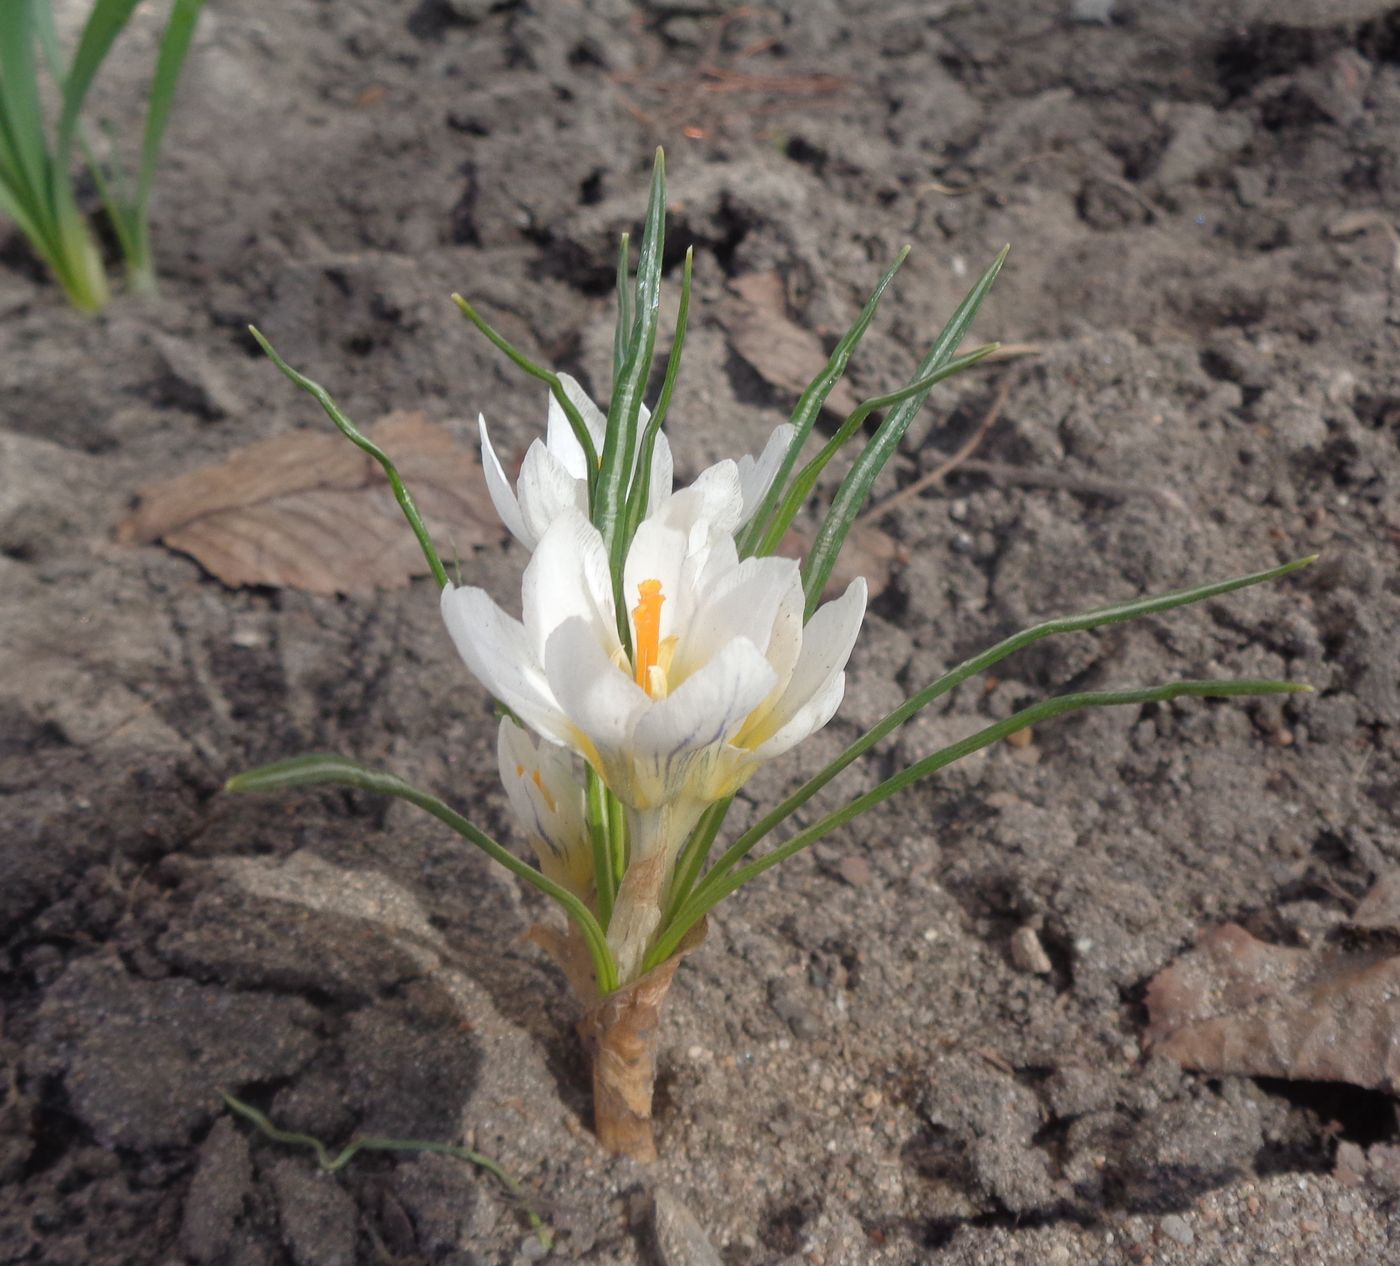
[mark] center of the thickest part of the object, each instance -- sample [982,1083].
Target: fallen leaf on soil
[868,552]
[308,510]
[782,353]
[1234,1004]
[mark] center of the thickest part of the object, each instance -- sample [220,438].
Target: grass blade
[807,478]
[1115,613]
[362,441]
[619,446]
[551,380]
[327,769]
[855,488]
[623,330]
[26,156]
[711,892]
[330,1164]
[174,46]
[105,22]
[809,406]
[637,506]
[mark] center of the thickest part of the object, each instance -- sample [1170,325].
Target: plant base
[620,1032]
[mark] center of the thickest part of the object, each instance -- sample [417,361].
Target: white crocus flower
[722,676]
[554,474]
[545,789]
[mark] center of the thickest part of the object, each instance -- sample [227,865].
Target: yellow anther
[646,631]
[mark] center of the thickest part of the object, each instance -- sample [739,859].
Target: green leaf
[1114,613]
[174,46]
[26,158]
[624,409]
[807,478]
[717,887]
[809,407]
[362,441]
[855,488]
[106,20]
[637,506]
[550,379]
[331,1164]
[322,769]
[623,330]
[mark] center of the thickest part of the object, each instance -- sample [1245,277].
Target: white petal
[547,800]
[501,493]
[742,603]
[658,552]
[678,739]
[714,503]
[546,490]
[601,700]
[568,577]
[826,646]
[493,646]
[662,473]
[559,435]
[756,474]
[805,721]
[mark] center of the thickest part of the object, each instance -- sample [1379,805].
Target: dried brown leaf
[782,353]
[1235,1004]
[308,510]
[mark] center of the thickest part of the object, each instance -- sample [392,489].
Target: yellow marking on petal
[544,791]
[646,631]
[520,771]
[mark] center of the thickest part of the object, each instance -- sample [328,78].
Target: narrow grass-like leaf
[596,813]
[637,506]
[174,46]
[809,406]
[105,22]
[807,478]
[322,769]
[362,441]
[332,1163]
[716,888]
[619,448]
[550,379]
[21,115]
[1114,613]
[855,488]
[623,331]
[694,855]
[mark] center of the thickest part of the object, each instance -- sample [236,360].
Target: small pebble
[1174,1227]
[1028,953]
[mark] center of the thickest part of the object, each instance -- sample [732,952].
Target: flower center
[646,632]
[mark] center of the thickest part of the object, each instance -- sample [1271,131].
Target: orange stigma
[646,631]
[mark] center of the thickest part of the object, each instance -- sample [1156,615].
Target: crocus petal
[493,646]
[713,504]
[742,603]
[601,699]
[501,493]
[546,489]
[661,473]
[559,434]
[658,552]
[827,642]
[804,721]
[756,474]
[677,739]
[568,577]
[547,799]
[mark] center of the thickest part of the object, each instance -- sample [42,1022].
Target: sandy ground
[856,1068]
